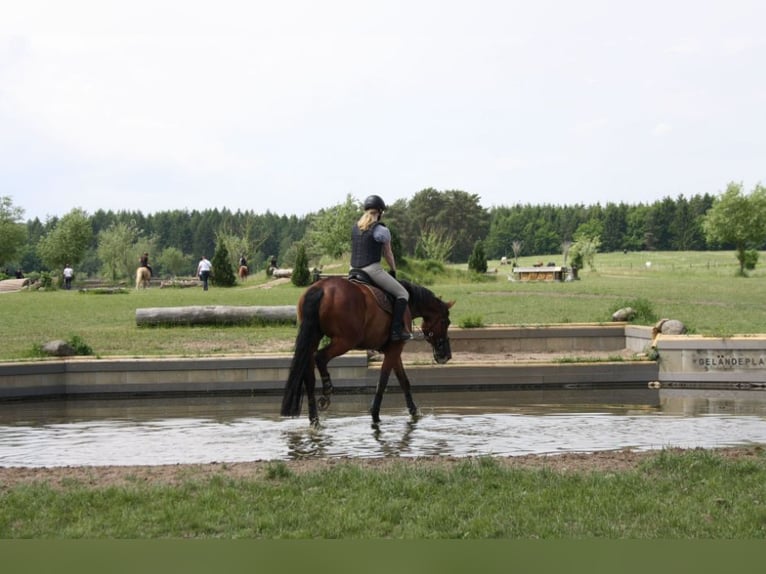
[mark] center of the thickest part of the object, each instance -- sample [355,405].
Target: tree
[434,244]
[584,251]
[738,219]
[67,242]
[222,274]
[301,276]
[116,250]
[13,233]
[329,231]
[478,260]
[173,261]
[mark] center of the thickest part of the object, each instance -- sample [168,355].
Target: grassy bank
[700,289]
[670,495]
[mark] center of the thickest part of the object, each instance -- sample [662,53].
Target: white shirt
[204,265]
[68,272]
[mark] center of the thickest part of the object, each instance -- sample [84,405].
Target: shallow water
[237,429]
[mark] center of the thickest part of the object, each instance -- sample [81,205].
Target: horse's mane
[418,293]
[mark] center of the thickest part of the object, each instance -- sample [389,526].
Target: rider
[242,261]
[369,239]
[143,261]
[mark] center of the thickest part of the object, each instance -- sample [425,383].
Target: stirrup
[403,336]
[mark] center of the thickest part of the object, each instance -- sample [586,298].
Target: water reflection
[172,431]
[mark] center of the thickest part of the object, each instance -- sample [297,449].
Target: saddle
[384,299]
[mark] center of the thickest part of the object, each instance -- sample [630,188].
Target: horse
[348,314]
[243,272]
[143,277]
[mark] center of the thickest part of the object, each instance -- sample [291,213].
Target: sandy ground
[103,476]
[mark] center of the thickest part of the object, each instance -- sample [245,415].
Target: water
[237,429]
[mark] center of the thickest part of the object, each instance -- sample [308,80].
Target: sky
[291,106]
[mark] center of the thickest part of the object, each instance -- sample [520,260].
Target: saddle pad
[381,297]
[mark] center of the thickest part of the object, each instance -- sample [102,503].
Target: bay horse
[348,314]
[243,272]
[143,276]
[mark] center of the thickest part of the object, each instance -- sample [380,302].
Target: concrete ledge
[702,362]
[712,360]
[534,339]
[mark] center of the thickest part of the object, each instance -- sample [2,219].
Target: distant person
[68,274]
[203,271]
[143,261]
[242,261]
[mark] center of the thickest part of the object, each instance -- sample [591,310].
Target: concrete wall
[683,360]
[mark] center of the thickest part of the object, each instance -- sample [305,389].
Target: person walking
[68,275]
[371,239]
[203,271]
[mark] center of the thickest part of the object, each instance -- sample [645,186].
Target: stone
[669,327]
[58,348]
[624,314]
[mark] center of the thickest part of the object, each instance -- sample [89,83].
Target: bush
[301,276]
[222,274]
[477,262]
[750,259]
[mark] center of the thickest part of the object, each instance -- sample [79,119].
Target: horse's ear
[450,304]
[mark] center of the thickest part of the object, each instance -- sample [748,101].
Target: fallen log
[215,315]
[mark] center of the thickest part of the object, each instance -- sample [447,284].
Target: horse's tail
[306,344]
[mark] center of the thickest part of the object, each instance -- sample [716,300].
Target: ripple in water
[205,440]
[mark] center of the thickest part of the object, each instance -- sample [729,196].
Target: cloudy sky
[291,105]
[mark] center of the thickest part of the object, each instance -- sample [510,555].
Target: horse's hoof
[323,403]
[414,412]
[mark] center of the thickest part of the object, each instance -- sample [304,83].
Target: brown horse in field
[349,315]
[243,272]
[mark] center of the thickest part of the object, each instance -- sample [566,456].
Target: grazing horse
[350,316]
[243,272]
[142,278]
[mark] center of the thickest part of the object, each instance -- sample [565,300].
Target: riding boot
[397,322]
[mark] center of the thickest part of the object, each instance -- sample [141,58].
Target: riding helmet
[374,202]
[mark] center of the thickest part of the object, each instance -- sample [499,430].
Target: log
[215,315]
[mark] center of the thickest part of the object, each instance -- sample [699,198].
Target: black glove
[392,273]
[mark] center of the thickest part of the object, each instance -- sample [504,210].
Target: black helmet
[374,202]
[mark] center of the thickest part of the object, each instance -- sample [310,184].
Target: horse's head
[434,326]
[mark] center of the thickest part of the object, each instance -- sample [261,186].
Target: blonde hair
[368,218]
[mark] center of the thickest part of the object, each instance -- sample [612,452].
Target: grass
[672,495]
[700,289]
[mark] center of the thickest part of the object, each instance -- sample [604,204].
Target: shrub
[750,259]
[301,276]
[472,322]
[478,260]
[223,273]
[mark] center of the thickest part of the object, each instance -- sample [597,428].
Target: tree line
[432,224]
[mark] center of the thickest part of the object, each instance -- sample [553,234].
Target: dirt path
[102,476]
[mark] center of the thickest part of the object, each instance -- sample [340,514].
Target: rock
[624,314]
[669,327]
[58,348]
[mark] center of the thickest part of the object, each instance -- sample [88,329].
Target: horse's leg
[389,361]
[336,348]
[309,384]
[404,383]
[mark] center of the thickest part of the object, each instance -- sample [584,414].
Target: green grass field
[700,289]
[672,495]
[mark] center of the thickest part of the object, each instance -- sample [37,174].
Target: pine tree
[478,260]
[301,276]
[223,273]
